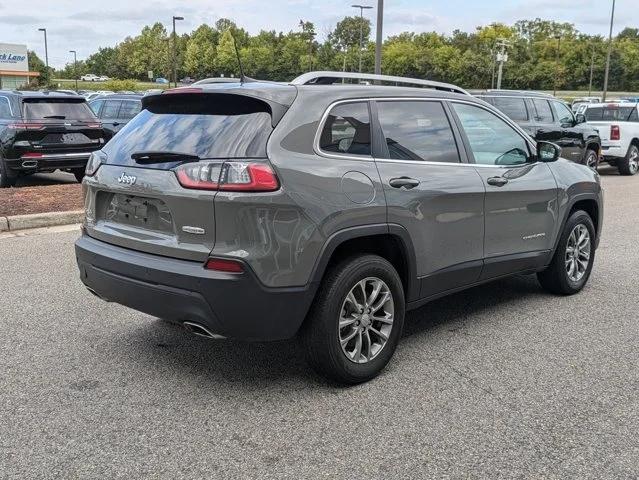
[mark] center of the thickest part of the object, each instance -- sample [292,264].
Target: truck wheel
[630,164]
[356,320]
[6,179]
[592,159]
[570,268]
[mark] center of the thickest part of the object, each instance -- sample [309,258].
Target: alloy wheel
[633,161]
[578,252]
[591,161]
[366,320]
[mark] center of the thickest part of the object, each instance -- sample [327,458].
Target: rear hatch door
[135,200]
[58,125]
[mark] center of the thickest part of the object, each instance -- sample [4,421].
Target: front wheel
[356,320]
[592,159]
[630,164]
[572,264]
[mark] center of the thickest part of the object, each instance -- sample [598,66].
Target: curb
[39,220]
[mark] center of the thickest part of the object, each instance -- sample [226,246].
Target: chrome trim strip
[59,155]
[487,107]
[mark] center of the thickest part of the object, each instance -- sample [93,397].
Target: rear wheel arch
[391,242]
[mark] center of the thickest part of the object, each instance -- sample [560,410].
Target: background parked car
[90,78]
[115,111]
[161,80]
[547,118]
[618,125]
[46,131]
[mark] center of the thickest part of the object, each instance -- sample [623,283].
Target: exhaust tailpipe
[29,164]
[201,331]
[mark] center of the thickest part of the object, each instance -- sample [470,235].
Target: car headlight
[93,164]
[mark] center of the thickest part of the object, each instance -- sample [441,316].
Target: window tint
[5,108]
[492,141]
[347,130]
[634,116]
[111,108]
[542,110]
[417,131]
[129,109]
[563,112]
[96,105]
[57,109]
[514,108]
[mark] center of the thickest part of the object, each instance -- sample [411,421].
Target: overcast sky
[85,25]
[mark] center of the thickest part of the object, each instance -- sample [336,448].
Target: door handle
[403,182]
[497,181]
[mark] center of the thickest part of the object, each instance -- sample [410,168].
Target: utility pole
[558,37]
[492,80]
[612,22]
[46,47]
[75,67]
[361,30]
[378,37]
[174,51]
[502,57]
[592,69]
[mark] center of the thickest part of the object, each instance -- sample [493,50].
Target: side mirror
[548,152]
[580,118]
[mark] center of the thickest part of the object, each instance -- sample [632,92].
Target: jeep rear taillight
[615,132]
[227,176]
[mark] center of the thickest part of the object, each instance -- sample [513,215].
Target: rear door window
[5,108]
[417,130]
[563,112]
[111,108]
[57,109]
[611,113]
[129,109]
[347,130]
[514,108]
[543,112]
[96,106]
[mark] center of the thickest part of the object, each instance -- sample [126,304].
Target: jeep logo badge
[127,179]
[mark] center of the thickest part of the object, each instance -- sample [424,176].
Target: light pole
[612,22]
[174,51]
[378,37]
[46,47]
[558,37]
[361,30]
[592,69]
[75,67]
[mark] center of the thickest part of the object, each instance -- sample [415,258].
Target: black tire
[556,278]
[630,164]
[591,159]
[320,334]
[6,179]
[79,175]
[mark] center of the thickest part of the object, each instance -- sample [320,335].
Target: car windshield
[57,109]
[609,113]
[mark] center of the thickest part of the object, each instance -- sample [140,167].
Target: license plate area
[67,139]
[141,212]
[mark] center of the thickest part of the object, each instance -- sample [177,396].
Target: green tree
[201,52]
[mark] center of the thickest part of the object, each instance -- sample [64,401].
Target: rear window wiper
[57,117]
[145,158]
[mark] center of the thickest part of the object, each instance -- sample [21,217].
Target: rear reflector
[25,126]
[224,265]
[615,132]
[32,155]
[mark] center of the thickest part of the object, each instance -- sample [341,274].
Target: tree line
[542,54]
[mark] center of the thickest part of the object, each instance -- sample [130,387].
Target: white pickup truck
[618,125]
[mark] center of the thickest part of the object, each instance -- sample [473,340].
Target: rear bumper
[613,151]
[230,305]
[49,161]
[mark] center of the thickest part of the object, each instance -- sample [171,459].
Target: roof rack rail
[526,92]
[328,78]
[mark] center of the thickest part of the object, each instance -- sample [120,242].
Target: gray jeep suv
[261,211]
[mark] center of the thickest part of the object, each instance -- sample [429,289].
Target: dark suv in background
[548,119]
[115,111]
[46,131]
[258,211]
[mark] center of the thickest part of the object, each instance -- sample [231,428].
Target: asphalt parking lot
[502,381]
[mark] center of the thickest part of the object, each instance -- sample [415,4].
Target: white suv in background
[618,125]
[90,78]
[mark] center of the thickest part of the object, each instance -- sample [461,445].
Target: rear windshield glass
[226,132]
[54,109]
[612,113]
